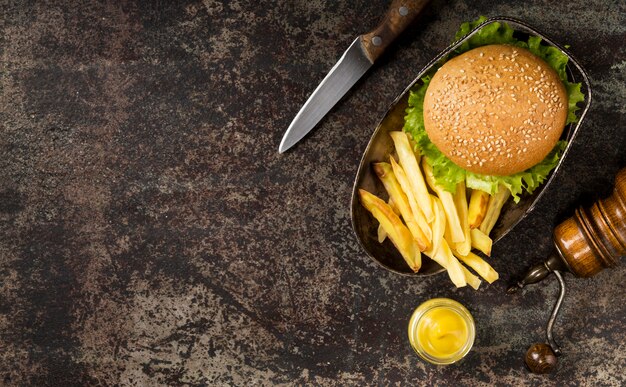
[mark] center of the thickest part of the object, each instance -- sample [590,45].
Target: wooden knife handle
[399,15]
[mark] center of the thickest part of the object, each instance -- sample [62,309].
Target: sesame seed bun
[495,110]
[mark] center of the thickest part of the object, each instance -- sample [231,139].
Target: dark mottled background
[151,234]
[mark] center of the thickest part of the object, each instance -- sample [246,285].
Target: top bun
[495,110]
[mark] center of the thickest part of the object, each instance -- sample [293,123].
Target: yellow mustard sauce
[441,331]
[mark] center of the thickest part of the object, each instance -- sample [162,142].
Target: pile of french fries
[421,217]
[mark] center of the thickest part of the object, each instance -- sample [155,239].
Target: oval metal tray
[380,147]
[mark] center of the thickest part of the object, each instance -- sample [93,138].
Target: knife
[357,59]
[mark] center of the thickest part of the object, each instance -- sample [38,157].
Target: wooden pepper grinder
[585,244]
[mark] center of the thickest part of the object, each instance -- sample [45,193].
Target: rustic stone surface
[151,234]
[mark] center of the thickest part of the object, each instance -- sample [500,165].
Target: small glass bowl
[450,305]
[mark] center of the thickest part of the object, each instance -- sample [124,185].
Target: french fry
[444,257]
[471,279]
[439,224]
[441,252]
[479,265]
[382,234]
[398,233]
[477,208]
[481,242]
[409,161]
[493,209]
[447,200]
[460,202]
[398,171]
[386,175]
[455,270]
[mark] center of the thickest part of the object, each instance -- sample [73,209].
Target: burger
[493,114]
[495,110]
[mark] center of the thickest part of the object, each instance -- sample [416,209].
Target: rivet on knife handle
[399,15]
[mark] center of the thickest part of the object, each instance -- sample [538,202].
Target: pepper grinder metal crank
[585,244]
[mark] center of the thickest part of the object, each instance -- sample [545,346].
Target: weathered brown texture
[151,234]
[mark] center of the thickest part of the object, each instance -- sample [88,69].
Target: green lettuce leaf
[575,95]
[552,55]
[448,174]
[494,33]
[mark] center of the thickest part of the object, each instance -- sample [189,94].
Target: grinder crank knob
[540,358]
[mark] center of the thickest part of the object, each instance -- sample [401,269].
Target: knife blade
[354,62]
